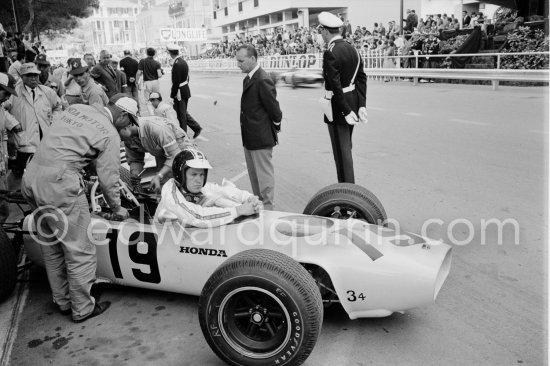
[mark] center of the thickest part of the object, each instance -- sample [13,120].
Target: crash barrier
[375,61]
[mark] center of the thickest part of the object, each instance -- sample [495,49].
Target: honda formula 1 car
[265,280]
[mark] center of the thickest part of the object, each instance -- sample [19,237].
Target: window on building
[256,3]
[126,24]
[215,15]
[225,11]
[240,6]
[98,24]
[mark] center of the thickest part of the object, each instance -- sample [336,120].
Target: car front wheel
[261,307]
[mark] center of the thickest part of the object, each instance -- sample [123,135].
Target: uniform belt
[347,89]
[55,164]
[184,83]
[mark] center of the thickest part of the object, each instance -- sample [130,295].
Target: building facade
[242,17]
[151,18]
[113,26]
[194,14]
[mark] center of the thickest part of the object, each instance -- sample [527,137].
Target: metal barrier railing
[374,62]
[371,59]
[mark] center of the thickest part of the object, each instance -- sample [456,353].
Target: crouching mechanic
[166,110]
[188,199]
[52,185]
[157,136]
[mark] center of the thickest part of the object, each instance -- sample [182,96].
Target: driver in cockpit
[189,199]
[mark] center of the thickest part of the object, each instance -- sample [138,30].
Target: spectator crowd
[382,37]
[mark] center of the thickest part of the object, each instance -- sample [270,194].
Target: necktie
[32,94]
[246,80]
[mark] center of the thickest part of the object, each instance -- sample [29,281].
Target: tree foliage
[46,16]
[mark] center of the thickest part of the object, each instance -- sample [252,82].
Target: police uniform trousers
[184,118]
[68,252]
[262,174]
[340,138]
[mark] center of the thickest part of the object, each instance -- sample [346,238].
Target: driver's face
[195,179]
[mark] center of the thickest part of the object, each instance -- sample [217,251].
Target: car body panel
[375,272]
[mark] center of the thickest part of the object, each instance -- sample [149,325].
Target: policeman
[155,135]
[52,185]
[345,93]
[180,91]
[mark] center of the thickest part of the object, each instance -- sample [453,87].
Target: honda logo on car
[203,251]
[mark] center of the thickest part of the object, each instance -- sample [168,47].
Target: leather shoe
[98,309]
[65,312]
[197,133]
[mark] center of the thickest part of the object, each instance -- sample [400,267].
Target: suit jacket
[180,74]
[106,76]
[259,109]
[130,68]
[339,64]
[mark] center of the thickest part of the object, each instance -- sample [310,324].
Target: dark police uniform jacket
[339,64]
[180,79]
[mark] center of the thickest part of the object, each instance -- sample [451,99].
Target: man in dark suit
[465,19]
[345,93]
[180,91]
[105,75]
[260,123]
[130,68]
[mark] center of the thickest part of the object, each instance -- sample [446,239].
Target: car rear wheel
[8,266]
[261,307]
[347,200]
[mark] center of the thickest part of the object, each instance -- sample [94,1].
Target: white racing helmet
[189,158]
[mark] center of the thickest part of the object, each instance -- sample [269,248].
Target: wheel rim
[254,322]
[345,211]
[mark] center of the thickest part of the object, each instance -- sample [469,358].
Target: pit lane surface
[429,151]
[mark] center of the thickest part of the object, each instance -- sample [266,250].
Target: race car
[265,280]
[297,77]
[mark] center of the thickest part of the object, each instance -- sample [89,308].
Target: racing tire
[261,307]
[345,200]
[8,266]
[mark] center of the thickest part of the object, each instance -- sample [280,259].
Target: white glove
[363,116]
[352,119]
[178,96]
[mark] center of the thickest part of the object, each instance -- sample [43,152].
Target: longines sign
[183,34]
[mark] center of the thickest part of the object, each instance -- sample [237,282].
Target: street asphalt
[461,155]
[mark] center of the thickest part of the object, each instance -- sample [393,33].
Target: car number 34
[353,296]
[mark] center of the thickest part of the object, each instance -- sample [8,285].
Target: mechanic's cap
[41,60]
[154,96]
[125,103]
[329,21]
[77,68]
[7,82]
[29,68]
[172,47]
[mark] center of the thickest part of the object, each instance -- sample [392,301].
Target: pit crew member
[155,135]
[52,185]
